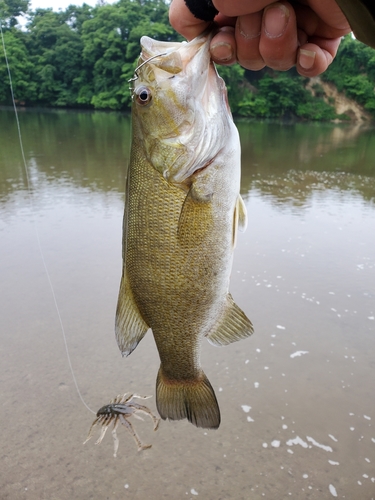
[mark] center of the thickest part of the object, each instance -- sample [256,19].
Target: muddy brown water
[297,398]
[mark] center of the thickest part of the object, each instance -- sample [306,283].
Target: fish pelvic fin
[191,399]
[130,327]
[233,325]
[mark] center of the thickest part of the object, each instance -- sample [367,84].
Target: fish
[183,210]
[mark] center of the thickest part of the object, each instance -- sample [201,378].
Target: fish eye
[143,95]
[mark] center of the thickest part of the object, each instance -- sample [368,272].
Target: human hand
[259,33]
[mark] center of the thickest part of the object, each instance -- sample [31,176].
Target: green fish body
[182,213]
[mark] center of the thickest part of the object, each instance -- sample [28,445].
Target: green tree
[84,56]
[56,51]
[284,96]
[10,10]
[21,70]
[353,72]
[111,48]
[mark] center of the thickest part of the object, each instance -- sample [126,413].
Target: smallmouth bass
[182,213]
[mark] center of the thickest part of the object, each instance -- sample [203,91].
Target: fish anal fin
[130,327]
[191,399]
[233,325]
[195,218]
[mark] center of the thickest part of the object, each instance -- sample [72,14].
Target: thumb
[184,22]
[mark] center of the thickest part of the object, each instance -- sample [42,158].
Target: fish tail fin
[191,399]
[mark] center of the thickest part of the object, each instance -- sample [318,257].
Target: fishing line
[32,206]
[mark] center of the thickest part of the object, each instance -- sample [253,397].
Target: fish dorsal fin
[130,327]
[233,325]
[239,218]
[195,217]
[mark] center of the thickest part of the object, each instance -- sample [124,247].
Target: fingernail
[306,58]
[222,51]
[276,19]
[247,28]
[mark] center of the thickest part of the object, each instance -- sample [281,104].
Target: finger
[278,40]
[223,46]
[221,20]
[184,22]
[315,57]
[323,19]
[312,24]
[302,37]
[236,8]
[248,29]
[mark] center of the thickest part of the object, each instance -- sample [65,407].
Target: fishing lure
[119,410]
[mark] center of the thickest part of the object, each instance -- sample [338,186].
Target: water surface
[297,398]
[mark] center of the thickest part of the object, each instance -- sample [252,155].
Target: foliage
[284,96]
[84,56]
[55,51]
[10,10]
[111,48]
[21,70]
[353,72]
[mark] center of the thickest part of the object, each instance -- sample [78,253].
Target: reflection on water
[296,398]
[277,147]
[82,148]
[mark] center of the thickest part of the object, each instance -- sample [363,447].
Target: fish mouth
[174,57]
[152,48]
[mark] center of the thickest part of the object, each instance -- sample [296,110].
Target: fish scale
[163,273]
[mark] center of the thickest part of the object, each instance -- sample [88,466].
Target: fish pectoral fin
[195,218]
[233,325]
[242,214]
[239,218]
[130,327]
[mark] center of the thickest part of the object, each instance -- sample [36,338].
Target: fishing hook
[136,76]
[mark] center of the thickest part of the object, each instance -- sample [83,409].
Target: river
[297,398]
